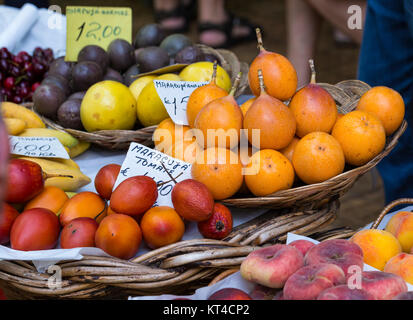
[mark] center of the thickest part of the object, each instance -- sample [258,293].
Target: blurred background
[335,60]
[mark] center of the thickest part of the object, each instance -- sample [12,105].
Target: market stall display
[300,159]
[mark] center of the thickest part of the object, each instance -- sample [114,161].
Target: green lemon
[108,105]
[150,108]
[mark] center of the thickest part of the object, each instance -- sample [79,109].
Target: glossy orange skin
[275,121]
[35,229]
[119,235]
[7,217]
[220,170]
[273,172]
[288,151]
[24,181]
[192,200]
[229,120]
[200,97]
[105,180]
[387,104]
[246,105]
[79,232]
[280,76]
[167,133]
[366,129]
[229,294]
[134,196]
[314,110]
[84,204]
[161,226]
[219,225]
[51,198]
[318,156]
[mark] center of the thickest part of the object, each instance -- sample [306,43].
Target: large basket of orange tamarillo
[121,139]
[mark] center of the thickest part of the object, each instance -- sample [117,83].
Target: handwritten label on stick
[95,25]
[143,161]
[175,95]
[39,147]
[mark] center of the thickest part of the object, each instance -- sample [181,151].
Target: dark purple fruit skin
[152,58]
[47,99]
[77,95]
[61,67]
[175,43]
[121,55]
[59,81]
[189,55]
[96,54]
[149,35]
[86,74]
[114,75]
[68,114]
[210,57]
[128,76]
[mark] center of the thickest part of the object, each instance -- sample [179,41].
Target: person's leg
[303,25]
[336,13]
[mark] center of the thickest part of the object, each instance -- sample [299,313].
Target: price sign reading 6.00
[95,25]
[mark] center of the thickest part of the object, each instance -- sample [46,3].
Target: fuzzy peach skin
[260,292]
[382,285]
[271,266]
[308,282]
[340,252]
[302,245]
[229,294]
[378,246]
[343,292]
[402,265]
[401,226]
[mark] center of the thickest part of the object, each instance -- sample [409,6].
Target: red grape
[8,83]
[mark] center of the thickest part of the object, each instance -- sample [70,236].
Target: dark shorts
[386,59]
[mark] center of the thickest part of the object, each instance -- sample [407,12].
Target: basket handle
[389,207]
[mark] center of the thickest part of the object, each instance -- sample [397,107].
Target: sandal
[243,22]
[178,12]
[227,28]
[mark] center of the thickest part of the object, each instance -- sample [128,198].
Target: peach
[382,285]
[404,296]
[340,252]
[378,246]
[343,292]
[271,266]
[402,265]
[401,226]
[229,294]
[302,245]
[260,292]
[309,281]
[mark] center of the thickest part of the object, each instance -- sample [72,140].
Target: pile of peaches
[115,222]
[306,141]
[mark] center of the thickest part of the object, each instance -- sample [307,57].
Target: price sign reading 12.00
[95,25]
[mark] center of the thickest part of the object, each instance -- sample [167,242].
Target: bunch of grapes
[22,73]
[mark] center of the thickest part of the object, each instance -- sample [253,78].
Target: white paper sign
[143,161]
[38,147]
[175,95]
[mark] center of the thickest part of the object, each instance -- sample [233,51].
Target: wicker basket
[346,94]
[179,268]
[121,139]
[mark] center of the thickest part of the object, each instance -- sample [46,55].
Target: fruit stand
[114,180]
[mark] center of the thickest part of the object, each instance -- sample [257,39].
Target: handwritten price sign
[95,25]
[144,161]
[39,147]
[175,95]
